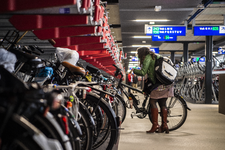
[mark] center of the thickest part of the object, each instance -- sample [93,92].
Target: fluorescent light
[150,20]
[147,37]
[133,52]
[141,45]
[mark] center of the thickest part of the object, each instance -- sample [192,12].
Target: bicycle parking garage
[67,74]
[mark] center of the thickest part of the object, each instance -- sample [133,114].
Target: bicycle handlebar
[118,71]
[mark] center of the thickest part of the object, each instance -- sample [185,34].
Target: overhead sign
[221,50]
[134,59]
[202,59]
[164,38]
[154,49]
[165,30]
[209,30]
[135,68]
[195,59]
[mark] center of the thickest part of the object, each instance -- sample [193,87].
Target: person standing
[130,80]
[159,94]
[135,80]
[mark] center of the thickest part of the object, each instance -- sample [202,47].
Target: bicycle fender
[183,101]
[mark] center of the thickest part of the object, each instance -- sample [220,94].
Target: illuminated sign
[165,30]
[134,59]
[154,49]
[221,50]
[202,59]
[164,38]
[209,30]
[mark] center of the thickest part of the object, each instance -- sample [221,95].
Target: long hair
[142,52]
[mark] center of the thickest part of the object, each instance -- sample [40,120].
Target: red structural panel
[90,60]
[91,46]
[97,2]
[101,12]
[59,32]
[99,29]
[16,5]
[93,52]
[97,13]
[74,47]
[94,56]
[89,4]
[32,22]
[62,42]
[106,63]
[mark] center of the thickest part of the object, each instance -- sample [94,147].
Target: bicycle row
[69,112]
[191,79]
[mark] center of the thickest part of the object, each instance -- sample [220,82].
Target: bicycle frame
[135,101]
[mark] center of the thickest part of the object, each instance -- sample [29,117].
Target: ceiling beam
[215,45]
[165,9]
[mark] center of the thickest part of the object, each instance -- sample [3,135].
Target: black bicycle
[176,106]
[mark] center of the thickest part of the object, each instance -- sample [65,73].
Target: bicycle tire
[122,111]
[108,135]
[23,143]
[97,116]
[46,127]
[172,122]
[87,132]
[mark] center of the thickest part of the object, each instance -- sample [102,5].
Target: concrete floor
[204,129]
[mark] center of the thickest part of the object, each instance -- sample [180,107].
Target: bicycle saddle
[74,69]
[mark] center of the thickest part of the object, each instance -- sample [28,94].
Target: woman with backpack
[159,94]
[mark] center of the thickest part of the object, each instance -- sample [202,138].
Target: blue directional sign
[164,38]
[165,30]
[154,49]
[221,50]
[134,59]
[209,30]
[202,59]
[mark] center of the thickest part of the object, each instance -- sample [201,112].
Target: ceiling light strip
[147,37]
[148,20]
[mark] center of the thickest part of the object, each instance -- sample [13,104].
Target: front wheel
[177,112]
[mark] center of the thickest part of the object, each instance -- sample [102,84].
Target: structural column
[172,56]
[185,53]
[208,69]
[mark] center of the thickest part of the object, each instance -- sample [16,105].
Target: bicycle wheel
[87,132]
[177,112]
[22,143]
[108,130]
[122,111]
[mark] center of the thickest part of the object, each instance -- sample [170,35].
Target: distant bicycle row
[190,82]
